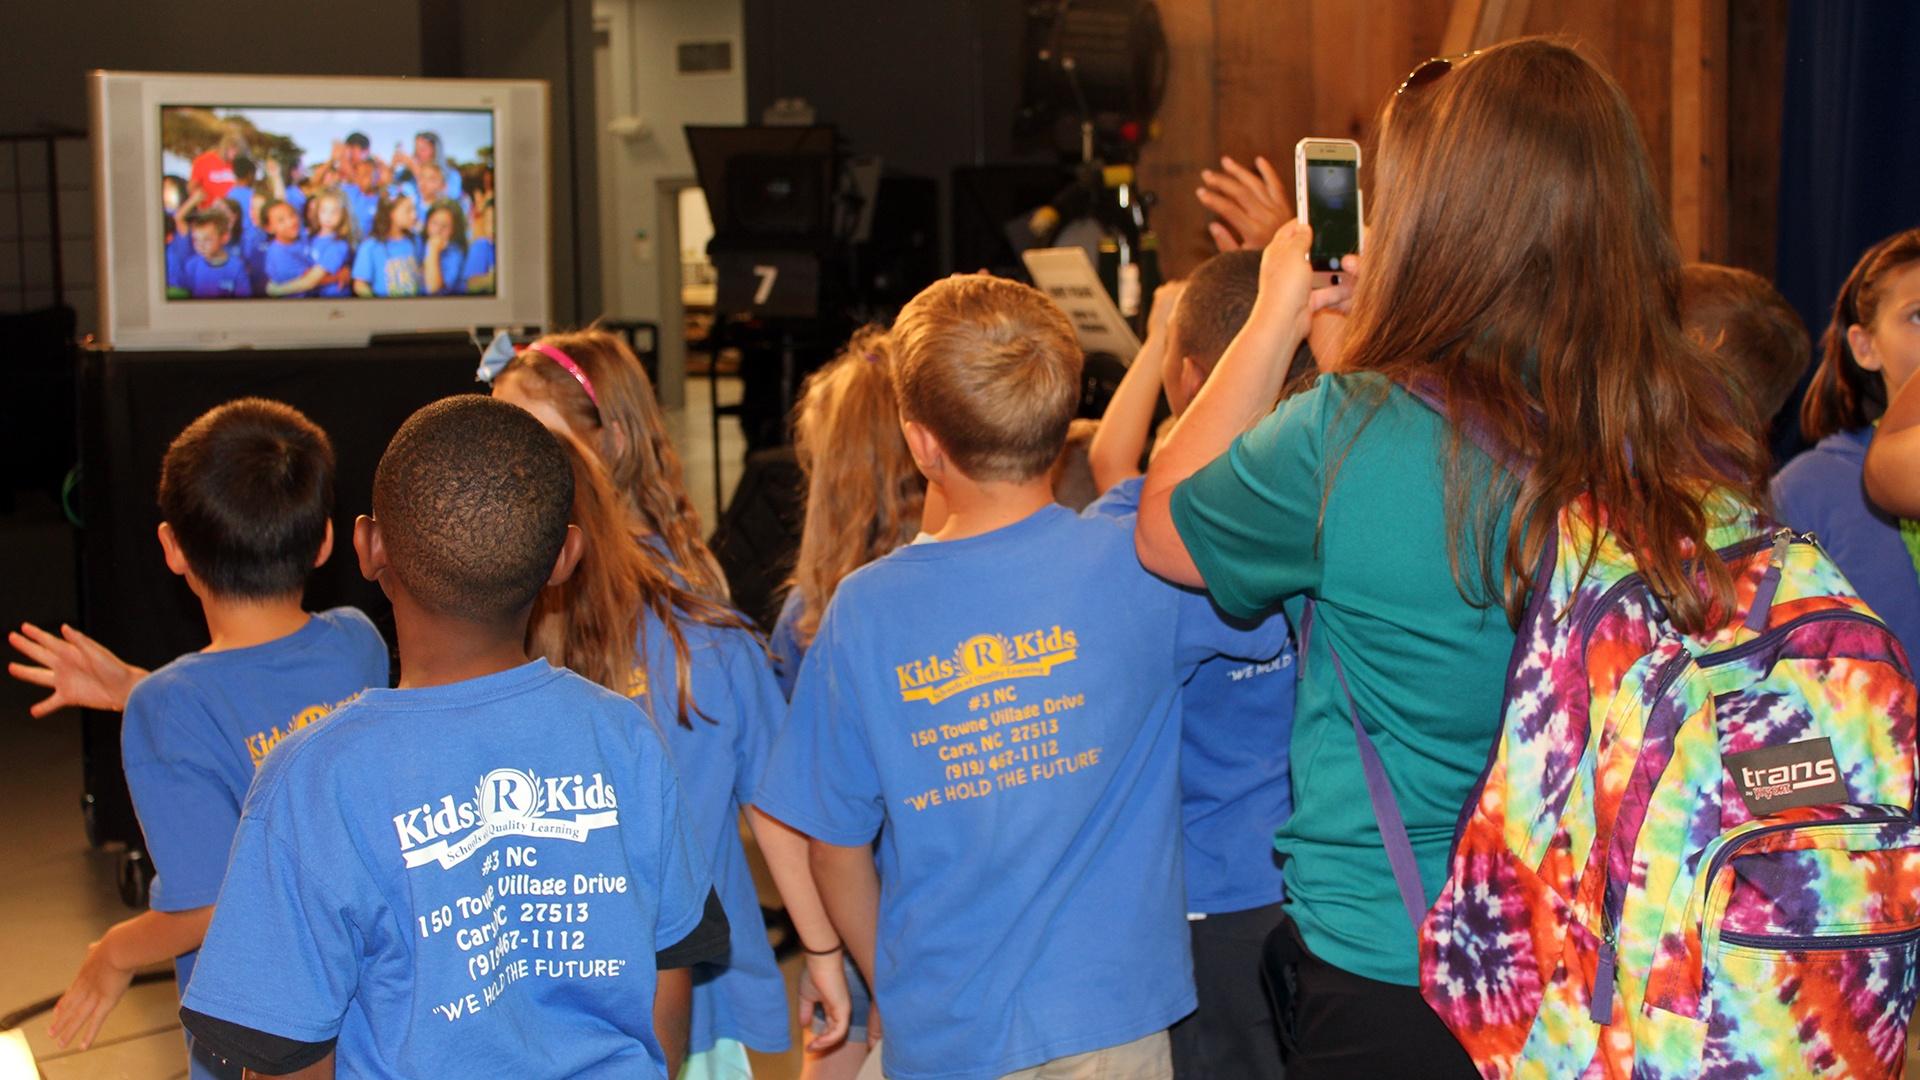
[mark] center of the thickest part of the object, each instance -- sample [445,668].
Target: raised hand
[1251,207]
[81,672]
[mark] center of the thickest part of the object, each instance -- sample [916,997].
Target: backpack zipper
[1741,651]
[1600,1002]
[1732,551]
[1726,852]
[1818,942]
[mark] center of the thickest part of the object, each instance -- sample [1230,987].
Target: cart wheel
[90,820]
[136,874]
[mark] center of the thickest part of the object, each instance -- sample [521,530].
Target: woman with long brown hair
[1521,274]
[1869,355]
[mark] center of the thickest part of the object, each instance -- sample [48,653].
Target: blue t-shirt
[1237,718]
[195,731]
[785,644]
[719,758]
[392,267]
[331,253]
[452,259]
[205,281]
[253,249]
[243,195]
[362,206]
[479,261]
[1004,712]
[179,250]
[453,879]
[286,262]
[1821,492]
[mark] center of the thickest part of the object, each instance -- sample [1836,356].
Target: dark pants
[1335,1024]
[1231,1036]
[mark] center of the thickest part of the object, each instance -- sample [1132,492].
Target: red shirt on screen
[212,174]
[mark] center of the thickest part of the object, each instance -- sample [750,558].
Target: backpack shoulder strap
[1386,809]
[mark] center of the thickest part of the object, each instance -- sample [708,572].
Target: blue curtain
[1849,151]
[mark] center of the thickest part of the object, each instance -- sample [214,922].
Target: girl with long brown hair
[627,620]
[864,495]
[865,498]
[602,396]
[1868,356]
[1520,271]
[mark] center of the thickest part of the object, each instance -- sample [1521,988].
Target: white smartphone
[1326,188]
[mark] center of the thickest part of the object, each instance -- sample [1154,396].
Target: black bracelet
[837,946]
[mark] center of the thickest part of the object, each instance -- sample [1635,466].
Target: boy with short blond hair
[1003,698]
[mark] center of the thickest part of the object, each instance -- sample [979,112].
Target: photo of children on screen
[290,203]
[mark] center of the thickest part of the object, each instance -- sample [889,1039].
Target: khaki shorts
[1150,1058]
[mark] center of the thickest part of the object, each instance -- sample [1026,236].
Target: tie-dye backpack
[1689,856]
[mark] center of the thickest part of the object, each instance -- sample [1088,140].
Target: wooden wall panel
[1254,76]
[1188,139]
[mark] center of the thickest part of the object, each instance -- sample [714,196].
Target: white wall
[641,35]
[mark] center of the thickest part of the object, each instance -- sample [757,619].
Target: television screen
[278,202]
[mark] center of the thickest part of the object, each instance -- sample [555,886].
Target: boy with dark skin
[468,691]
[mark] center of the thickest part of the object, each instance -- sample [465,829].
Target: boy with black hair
[246,500]
[999,703]
[494,898]
[1237,717]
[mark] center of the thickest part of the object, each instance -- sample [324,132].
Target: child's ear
[615,437]
[1192,378]
[170,547]
[927,452]
[371,548]
[326,546]
[569,558]
[1860,343]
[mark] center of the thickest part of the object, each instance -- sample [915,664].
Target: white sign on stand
[1066,275]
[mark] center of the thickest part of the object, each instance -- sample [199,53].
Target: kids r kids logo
[506,802]
[986,658]
[261,743]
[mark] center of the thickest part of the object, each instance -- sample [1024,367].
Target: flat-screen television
[241,210]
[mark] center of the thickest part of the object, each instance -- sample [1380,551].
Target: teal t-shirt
[1427,668]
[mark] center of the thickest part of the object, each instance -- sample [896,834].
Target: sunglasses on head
[1432,69]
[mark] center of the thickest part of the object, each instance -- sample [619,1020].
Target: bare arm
[1893,461]
[315,277]
[850,887]
[785,850]
[80,671]
[103,978]
[435,279]
[319,1070]
[672,1003]
[1245,384]
[1114,454]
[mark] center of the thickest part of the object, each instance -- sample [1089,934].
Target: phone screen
[1333,209]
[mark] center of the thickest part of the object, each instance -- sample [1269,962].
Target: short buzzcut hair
[247,490]
[990,367]
[1214,306]
[472,498]
[1740,316]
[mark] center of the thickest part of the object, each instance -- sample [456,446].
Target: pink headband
[573,369]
